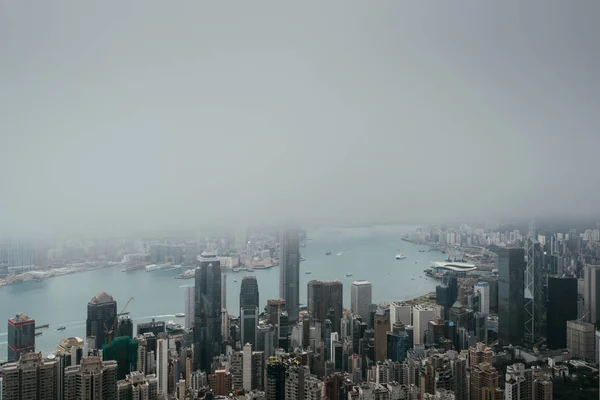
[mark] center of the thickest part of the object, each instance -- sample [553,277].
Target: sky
[117,114]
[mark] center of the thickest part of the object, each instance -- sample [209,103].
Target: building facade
[21,336]
[511,288]
[361,297]
[289,272]
[101,321]
[323,297]
[561,307]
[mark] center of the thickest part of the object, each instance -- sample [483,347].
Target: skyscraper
[207,311]
[249,292]
[398,342]
[562,307]
[94,377]
[31,377]
[483,375]
[591,292]
[289,272]
[382,326]
[422,314]
[249,324]
[446,293]
[483,288]
[21,336]
[189,307]
[101,320]
[325,296]
[511,286]
[533,291]
[361,298]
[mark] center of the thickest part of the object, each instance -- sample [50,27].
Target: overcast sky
[115,114]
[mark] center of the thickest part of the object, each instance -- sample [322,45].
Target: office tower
[125,326]
[361,298]
[31,377]
[249,292]
[94,377]
[580,340]
[220,383]
[519,382]
[154,327]
[483,288]
[492,282]
[301,385]
[480,326]
[511,286]
[248,324]
[398,343]
[207,311]
[542,389]
[101,319]
[400,312]
[223,290]
[189,307]
[247,368]
[480,353]
[289,272]
[162,365]
[533,290]
[422,314]
[382,326]
[21,336]
[591,293]
[276,371]
[483,375]
[561,307]
[274,306]
[447,293]
[137,386]
[265,339]
[325,296]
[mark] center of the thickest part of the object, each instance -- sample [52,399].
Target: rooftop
[359,283]
[101,298]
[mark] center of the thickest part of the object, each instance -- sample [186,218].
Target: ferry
[328,253]
[400,256]
[349,274]
[42,326]
[308,273]
[180,315]
[61,328]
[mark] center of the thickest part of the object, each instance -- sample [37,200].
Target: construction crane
[123,312]
[109,332]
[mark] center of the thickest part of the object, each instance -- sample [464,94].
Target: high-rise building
[400,312]
[361,298]
[94,377]
[276,374]
[398,342]
[220,382]
[124,326]
[162,365]
[266,339]
[581,340]
[155,327]
[447,293]
[382,326]
[483,375]
[533,290]
[189,307]
[511,287]
[492,282]
[422,314]
[31,377]
[483,288]
[542,389]
[137,386]
[247,367]
[289,272]
[519,382]
[480,353]
[492,394]
[591,293]
[323,297]
[207,311]
[561,307]
[21,336]
[249,324]
[249,292]
[123,350]
[301,385]
[101,321]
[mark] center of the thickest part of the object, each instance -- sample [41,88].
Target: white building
[361,298]
[162,365]
[422,314]
[189,307]
[400,312]
[483,288]
[247,369]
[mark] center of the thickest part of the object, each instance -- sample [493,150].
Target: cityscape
[270,200]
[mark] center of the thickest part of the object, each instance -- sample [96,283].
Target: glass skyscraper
[511,286]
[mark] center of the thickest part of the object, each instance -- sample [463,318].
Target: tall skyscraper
[249,292]
[422,314]
[249,324]
[101,322]
[289,272]
[533,291]
[207,311]
[361,298]
[325,296]
[276,371]
[483,288]
[189,307]
[94,377]
[398,342]
[511,286]
[382,326]
[31,377]
[162,365]
[591,293]
[581,340]
[400,312]
[446,293]
[21,336]
[561,307]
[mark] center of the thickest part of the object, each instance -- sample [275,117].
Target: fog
[118,115]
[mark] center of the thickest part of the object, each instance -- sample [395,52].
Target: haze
[125,114]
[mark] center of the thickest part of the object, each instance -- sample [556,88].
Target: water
[366,252]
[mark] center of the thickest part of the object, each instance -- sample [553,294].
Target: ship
[328,253]
[155,267]
[180,315]
[249,269]
[348,273]
[38,333]
[61,328]
[189,274]
[42,326]
[173,327]
[308,273]
[236,270]
[400,256]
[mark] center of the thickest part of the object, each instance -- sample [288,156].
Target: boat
[42,326]
[38,333]
[250,269]
[180,315]
[173,327]
[236,270]
[400,256]
[308,273]
[416,262]
[348,273]
[328,253]
[302,259]
[61,328]
[189,274]
[235,280]
[421,251]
